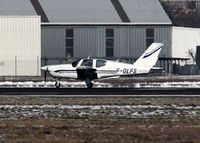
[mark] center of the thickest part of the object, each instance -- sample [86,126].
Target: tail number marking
[126,70]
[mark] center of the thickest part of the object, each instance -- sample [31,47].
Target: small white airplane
[88,69]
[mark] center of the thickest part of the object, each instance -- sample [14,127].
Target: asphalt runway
[103,92]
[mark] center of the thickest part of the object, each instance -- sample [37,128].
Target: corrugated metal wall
[164,34]
[20,49]
[89,41]
[53,41]
[129,41]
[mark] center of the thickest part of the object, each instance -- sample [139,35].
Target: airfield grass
[99,129]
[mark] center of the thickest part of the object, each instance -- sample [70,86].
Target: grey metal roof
[16,7]
[80,11]
[90,11]
[145,11]
[103,11]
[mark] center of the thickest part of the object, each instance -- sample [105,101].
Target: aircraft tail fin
[150,56]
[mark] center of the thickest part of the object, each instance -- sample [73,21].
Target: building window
[109,33]
[69,42]
[109,42]
[149,36]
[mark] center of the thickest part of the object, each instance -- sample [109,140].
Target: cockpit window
[87,62]
[75,63]
[100,63]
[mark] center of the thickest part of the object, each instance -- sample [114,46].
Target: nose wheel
[57,84]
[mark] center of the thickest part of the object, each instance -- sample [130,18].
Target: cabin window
[69,42]
[100,63]
[87,63]
[109,42]
[149,36]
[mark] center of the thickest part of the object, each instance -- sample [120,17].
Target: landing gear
[89,83]
[57,84]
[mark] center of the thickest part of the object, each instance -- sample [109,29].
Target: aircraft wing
[85,72]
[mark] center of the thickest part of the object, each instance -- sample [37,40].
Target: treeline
[184,13]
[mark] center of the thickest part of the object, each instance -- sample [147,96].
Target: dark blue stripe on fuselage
[99,72]
[152,52]
[65,71]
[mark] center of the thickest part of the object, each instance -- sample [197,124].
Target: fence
[20,66]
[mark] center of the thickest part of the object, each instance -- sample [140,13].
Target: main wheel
[57,84]
[89,85]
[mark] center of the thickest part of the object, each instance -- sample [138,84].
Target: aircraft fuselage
[107,69]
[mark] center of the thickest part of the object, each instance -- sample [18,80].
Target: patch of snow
[98,107]
[42,84]
[48,111]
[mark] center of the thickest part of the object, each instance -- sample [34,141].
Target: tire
[57,84]
[90,85]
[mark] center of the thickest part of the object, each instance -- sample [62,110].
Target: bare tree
[192,54]
[183,13]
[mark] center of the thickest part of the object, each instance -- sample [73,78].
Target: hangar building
[103,28]
[98,28]
[20,46]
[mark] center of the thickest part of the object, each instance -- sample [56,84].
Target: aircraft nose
[44,68]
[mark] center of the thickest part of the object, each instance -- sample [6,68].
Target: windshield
[75,63]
